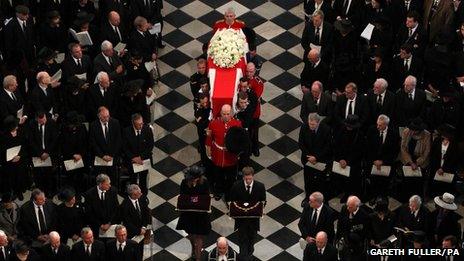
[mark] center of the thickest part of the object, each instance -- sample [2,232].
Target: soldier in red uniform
[224,162]
[229,21]
[257,85]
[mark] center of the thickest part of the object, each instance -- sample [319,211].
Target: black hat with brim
[416,125]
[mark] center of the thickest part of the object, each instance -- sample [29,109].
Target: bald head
[54,239]
[222,246]
[250,70]
[226,112]
[321,239]
[114,19]
[313,56]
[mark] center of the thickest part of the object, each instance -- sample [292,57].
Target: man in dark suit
[11,101]
[121,7]
[438,16]
[134,212]
[88,249]
[251,191]
[352,221]
[314,70]
[381,150]
[77,64]
[321,250]
[19,38]
[112,29]
[137,147]
[380,101]
[414,216]
[105,142]
[142,41]
[43,141]
[410,102]
[150,10]
[101,202]
[42,97]
[315,142]
[122,249]
[406,64]
[311,6]
[108,61]
[55,251]
[316,217]
[318,33]
[5,249]
[351,10]
[350,103]
[401,8]
[37,218]
[316,101]
[101,94]
[413,34]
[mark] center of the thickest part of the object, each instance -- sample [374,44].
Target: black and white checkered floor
[279,25]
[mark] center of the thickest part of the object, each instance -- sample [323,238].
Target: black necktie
[381,137]
[350,108]
[103,195]
[314,219]
[23,26]
[248,189]
[79,64]
[87,250]
[120,248]
[43,226]
[317,37]
[319,252]
[137,206]
[13,96]
[410,96]
[379,100]
[42,135]
[406,65]
[106,133]
[138,133]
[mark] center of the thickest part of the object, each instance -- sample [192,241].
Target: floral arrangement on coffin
[227,48]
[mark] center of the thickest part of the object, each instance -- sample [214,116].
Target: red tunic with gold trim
[221,24]
[257,85]
[219,155]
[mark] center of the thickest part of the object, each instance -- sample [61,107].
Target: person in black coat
[381,223]
[322,250]
[137,146]
[43,143]
[133,101]
[317,101]
[380,101]
[15,176]
[196,77]
[108,61]
[346,151]
[410,102]
[412,33]
[351,102]
[444,158]
[349,10]
[75,96]
[141,40]
[105,141]
[121,248]
[121,7]
[382,148]
[446,109]
[37,219]
[245,107]
[196,224]
[52,32]
[42,97]
[134,212]
[101,203]
[414,216]
[136,70]
[88,249]
[100,94]
[315,143]
[314,70]
[317,216]
[112,30]
[401,9]
[22,252]
[318,33]
[444,219]
[404,64]
[151,11]
[377,67]
[77,64]
[310,6]
[247,190]
[345,47]
[71,216]
[201,114]
[11,100]
[55,250]
[352,223]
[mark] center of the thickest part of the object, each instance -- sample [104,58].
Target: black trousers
[224,178]
[314,180]
[246,242]
[254,134]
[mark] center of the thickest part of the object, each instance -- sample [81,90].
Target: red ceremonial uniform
[257,85]
[221,24]
[216,141]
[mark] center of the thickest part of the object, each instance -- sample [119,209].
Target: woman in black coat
[70,215]
[196,224]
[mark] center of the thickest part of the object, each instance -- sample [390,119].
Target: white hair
[313,116]
[318,197]
[355,200]
[383,83]
[106,45]
[230,10]
[2,233]
[416,199]
[384,118]
[100,75]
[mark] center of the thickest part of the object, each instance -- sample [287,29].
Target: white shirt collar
[123,244]
[413,93]
[133,201]
[100,191]
[251,185]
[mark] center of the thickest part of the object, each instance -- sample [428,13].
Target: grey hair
[230,10]
[85,230]
[100,75]
[2,233]
[119,227]
[384,118]
[36,192]
[41,75]
[106,45]
[318,83]
[313,116]
[102,178]
[8,80]
[356,200]
[412,79]
[318,197]
[416,199]
[382,83]
[319,13]
[132,188]
[54,234]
